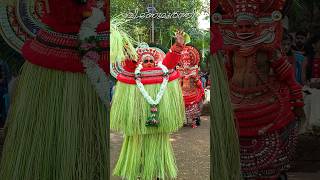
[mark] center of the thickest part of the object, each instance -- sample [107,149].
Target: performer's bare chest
[250,71]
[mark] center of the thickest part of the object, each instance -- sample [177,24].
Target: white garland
[96,74]
[162,87]
[89,25]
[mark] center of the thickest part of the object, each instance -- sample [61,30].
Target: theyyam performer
[147,106]
[266,98]
[57,125]
[192,90]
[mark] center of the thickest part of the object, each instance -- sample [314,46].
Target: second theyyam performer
[192,90]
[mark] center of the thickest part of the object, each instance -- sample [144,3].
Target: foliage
[305,15]
[10,57]
[140,29]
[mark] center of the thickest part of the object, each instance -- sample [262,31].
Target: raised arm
[173,56]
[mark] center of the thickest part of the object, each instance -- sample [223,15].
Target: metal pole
[152,26]
[202,45]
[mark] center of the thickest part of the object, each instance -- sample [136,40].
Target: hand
[179,37]
[276,54]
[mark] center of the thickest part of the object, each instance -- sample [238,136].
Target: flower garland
[153,119]
[90,52]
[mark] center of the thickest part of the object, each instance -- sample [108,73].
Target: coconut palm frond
[10,2]
[294,7]
[121,44]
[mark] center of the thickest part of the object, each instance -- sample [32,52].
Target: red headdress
[250,24]
[190,56]
[156,53]
[188,64]
[66,15]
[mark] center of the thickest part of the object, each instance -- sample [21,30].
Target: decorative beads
[153,120]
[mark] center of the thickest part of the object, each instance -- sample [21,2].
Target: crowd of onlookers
[303,52]
[7,86]
[4,94]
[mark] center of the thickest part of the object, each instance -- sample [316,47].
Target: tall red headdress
[189,61]
[190,56]
[248,25]
[156,53]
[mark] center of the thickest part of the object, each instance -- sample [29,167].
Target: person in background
[311,79]
[204,77]
[287,42]
[3,93]
[299,53]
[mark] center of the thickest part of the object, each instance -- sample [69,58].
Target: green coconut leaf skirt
[146,151]
[57,129]
[130,111]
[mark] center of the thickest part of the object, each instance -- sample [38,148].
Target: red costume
[169,60]
[263,88]
[58,125]
[147,106]
[57,48]
[316,68]
[192,89]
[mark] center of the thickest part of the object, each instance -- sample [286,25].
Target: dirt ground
[306,165]
[191,148]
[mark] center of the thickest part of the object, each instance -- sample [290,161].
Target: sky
[203,22]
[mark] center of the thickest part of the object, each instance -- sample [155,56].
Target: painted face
[245,29]
[286,45]
[148,62]
[186,57]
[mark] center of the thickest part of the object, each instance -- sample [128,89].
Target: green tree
[305,15]
[140,29]
[10,56]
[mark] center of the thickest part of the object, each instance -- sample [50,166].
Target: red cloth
[170,61]
[216,37]
[65,15]
[52,58]
[213,6]
[195,97]
[151,80]
[285,72]
[316,68]
[254,116]
[292,61]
